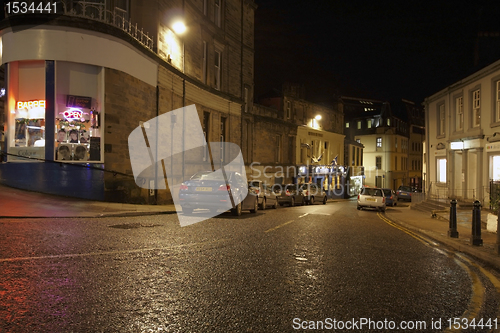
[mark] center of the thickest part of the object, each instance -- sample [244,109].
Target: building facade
[462,138]
[77,86]
[291,132]
[385,140]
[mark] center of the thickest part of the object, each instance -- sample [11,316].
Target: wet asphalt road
[275,271]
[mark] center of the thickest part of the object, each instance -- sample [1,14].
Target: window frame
[459,113]
[476,108]
[378,142]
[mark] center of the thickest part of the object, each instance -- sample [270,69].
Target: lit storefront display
[54,118]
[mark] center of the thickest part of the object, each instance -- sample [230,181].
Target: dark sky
[384,50]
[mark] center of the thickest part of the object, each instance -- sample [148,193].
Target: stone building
[291,132]
[462,138]
[93,70]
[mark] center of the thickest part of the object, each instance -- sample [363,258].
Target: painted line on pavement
[279,226]
[77,255]
[477,294]
[304,215]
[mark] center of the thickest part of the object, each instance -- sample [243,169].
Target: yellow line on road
[279,226]
[477,295]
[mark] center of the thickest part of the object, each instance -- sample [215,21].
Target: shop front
[333,179]
[53,138]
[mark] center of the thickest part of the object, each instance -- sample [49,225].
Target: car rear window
[373,192]
[405,188]
[387,192]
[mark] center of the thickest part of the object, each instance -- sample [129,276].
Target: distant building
[463,137]
[385,138]
[291,132]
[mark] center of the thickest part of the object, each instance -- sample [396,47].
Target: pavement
[16,203]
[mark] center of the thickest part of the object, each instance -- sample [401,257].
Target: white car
[371,197]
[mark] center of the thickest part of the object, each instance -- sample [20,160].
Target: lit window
[369,123]
[359,124]
[441,170]
[346,125]
[379,142]
[388,122]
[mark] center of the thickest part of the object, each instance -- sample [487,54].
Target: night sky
[384,50]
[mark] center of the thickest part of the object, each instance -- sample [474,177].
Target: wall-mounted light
[318,117]
[179,27]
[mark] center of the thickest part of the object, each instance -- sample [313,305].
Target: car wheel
[187,211]
[311,201]
[304,201]
[255,206]
[292,203]
[324,200]
[359,208]
[275,206]
[263,205]
[236,210]
[383,210]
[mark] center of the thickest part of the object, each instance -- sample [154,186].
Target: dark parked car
[313,193]
[209,190]
[391,199]
[405,192]
[289,194]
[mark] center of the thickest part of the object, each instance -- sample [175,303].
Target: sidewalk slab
[16,203]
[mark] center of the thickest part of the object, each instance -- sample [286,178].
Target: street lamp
[179,27]
[318,117]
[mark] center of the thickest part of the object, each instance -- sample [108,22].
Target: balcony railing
[97,11]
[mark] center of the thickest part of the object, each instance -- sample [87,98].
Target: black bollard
[452,232]
[475,237]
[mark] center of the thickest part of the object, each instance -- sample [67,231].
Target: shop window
[495,168]
[77,114]
[26,115]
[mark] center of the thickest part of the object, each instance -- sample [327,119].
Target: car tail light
[225,188]
[183,187]
[390,197]
[306,193]
[257,191]
[383,200]
[358,196]
[410,194]
[287,192]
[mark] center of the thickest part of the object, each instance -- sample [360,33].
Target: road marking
[304,215]
[477,294]
[77,255]
[477,297]
[279,226]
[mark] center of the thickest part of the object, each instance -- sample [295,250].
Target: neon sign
[73,114]
[31,104]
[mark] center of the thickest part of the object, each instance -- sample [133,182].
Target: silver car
[265,195]
[371,197]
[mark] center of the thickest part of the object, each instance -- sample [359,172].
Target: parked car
[391,198]
[289,194]
[405,192]
[265,195]
[209,190]
[371,197]
[313,193]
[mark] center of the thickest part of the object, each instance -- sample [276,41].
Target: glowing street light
[318,117]
[179,27]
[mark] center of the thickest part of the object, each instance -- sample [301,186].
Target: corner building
[79,82]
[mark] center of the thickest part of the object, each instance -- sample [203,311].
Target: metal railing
[97,11]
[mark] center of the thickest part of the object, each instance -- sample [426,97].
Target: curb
[101,215]
[481,255]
